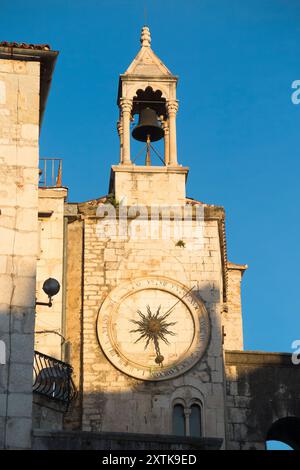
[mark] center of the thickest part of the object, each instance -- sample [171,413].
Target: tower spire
[145,37]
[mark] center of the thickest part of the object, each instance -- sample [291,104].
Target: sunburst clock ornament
[153,327]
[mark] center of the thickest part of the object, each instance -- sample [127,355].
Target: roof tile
[23,45]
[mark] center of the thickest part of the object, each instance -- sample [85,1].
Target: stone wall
[19,131]
[262,388]
[149,184]
[74,316]
[50,264]
[43,440]
[113,401]
[47,414]
[232,316]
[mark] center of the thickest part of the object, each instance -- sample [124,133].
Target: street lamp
[51,288]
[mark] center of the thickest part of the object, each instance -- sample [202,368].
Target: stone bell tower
[147,83]
[153,293]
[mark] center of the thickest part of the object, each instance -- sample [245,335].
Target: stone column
[165,126]
[187,413]
[120,133]
[126,107]
[172,107]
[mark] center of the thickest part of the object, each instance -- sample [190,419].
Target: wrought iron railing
[53,378]
[50,173]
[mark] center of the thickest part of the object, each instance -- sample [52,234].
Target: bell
[148,125]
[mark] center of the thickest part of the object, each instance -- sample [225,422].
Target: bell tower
[147,90]
[153,280]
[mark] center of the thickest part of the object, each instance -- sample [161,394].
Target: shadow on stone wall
[80,440]
[263,399]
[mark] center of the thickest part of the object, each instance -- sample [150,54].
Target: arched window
[187,420]
[195,421]
[178,420]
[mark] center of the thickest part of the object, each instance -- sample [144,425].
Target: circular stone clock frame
[109,318]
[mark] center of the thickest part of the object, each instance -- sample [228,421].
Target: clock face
[153,328]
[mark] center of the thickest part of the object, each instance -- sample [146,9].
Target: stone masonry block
[6,289]
[24,291]
[19,433]
[26,244]
[7,240]
[21,377]
[20,404]
[30,131]
[22,348]
[3,399]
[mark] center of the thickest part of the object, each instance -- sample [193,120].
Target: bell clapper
[148,160]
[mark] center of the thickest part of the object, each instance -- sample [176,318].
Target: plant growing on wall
[112,200]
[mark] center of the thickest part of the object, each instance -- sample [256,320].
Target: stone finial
[145,37]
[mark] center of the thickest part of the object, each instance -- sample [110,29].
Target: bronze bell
[148,125]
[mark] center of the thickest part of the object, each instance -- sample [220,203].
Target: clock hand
[159,358]
[179,300]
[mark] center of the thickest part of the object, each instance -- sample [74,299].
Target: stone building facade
[145,261]
[25,75]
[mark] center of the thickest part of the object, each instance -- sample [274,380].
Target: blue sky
[237,127]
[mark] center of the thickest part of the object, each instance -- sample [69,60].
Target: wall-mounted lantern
[51,288]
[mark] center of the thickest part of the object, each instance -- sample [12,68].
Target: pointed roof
[146,61]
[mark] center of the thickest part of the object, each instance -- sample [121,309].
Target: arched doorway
[286,431]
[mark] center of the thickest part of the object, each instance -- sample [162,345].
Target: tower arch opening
[150,107]
[285,430]
[151,98]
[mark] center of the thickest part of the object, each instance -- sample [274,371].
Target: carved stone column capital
[172,107]
[126,105]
